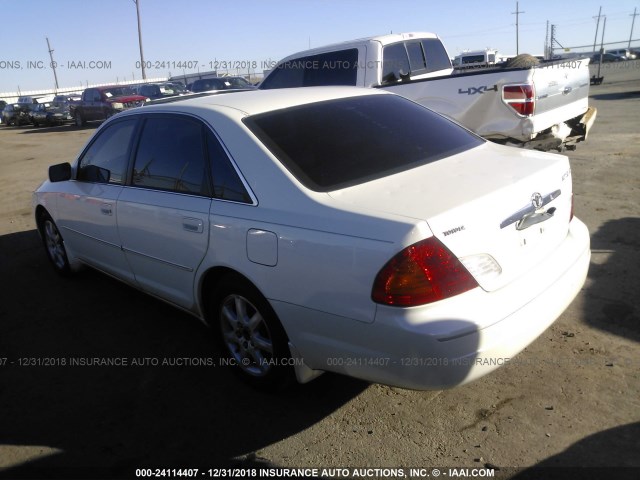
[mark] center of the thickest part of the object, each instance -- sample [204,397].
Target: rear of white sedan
[373,237]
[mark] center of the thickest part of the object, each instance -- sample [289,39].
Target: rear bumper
[566,134]
[452,342]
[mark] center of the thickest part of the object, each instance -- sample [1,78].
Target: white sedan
[325,229]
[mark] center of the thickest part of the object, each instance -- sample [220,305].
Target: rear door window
[436,55]
[395,63]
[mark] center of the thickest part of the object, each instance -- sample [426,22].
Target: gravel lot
[572,399]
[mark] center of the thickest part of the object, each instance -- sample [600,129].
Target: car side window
[436,55]
[105,161]
[226,182]
[395,63]
[416,58]
[171,156]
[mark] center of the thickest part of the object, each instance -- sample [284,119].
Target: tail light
[422,273]
[520,97]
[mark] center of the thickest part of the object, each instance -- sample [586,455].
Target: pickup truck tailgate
[561,92]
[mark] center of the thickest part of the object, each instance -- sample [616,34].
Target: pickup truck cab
[100,103]
[541,106]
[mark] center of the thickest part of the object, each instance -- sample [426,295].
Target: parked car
[154,91]
[221,83]
[607,58]
[27,99]
[325,229]
[623,52]
[16,114]
[100,103]
[39,115]
[61,106]
[56,112]
[2,105]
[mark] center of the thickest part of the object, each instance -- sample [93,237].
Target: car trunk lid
[500,210]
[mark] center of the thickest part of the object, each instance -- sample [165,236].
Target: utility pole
[595,39]
[53,64]
[517,14]
[144,74]
[634,15]
[604,26]
[546,43]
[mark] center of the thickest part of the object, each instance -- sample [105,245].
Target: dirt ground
[572,399]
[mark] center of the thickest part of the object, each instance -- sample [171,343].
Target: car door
[87,209]
[163,215]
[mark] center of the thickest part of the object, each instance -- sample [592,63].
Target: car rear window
[339,143]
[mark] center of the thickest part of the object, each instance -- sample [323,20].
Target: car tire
[54,245]
[250,334]
[80,121]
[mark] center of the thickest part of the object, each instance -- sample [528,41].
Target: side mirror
[60,172]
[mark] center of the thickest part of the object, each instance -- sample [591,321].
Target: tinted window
[105,161]
[338,143]
[395,63]
[416,57]
[226,182]
[436,55]
[170,156]
[332,68]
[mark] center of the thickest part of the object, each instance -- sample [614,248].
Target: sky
[96,41]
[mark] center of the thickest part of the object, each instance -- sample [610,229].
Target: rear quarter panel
[474,99]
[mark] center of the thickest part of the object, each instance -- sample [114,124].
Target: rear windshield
[339,143]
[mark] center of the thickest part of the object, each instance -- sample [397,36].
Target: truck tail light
[521,98]
[422,273]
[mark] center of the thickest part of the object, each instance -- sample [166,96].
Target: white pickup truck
[529,104]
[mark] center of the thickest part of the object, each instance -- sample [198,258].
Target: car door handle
[105,209]
[567,90]
[193,225]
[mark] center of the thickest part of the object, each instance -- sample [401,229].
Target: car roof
[253,102]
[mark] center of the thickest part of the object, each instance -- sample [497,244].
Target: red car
[100,103]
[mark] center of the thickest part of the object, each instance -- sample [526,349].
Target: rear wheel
[251,334]
[54,245]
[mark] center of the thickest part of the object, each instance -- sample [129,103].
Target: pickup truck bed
[542,106]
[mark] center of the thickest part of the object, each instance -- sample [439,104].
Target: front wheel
[79,120]
[251,334]
[54,245]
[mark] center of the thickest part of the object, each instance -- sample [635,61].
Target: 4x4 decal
[474,90]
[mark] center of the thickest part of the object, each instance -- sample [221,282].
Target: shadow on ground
[111,420]
[611,454]
[612,302]
[615,95]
